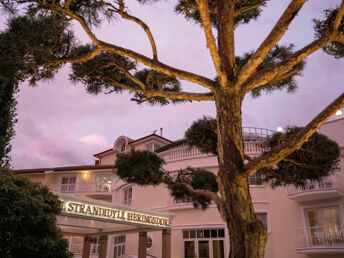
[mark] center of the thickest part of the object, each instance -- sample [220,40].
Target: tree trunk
[247,234]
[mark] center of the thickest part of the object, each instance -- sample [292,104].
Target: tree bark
[247,234]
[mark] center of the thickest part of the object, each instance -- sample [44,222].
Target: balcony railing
[327,183]
[329,187]
[320,237]
[77,248]
[80,188]
[257,132]
[185,152]
[253,144]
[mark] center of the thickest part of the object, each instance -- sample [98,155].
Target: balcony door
[103,183]
[204,243]
[68,184]
[324,227]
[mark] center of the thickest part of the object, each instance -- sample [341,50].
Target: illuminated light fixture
[279,129]
[339,112]
[85,175]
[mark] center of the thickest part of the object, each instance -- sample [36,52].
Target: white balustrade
[76,248]
[327,183]
[320,236]
[185,152]
[81,188]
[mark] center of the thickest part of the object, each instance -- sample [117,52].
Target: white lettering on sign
[91,210]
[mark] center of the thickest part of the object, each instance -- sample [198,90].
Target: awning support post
[103,240]
[142,252]
[166,243]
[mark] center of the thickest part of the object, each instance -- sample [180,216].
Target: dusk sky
[59,124]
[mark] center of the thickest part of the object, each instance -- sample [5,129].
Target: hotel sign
[89,210]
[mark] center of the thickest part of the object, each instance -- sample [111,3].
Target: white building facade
[307,222]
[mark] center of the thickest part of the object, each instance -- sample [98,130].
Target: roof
[333,121]
[133,141]
[103,152]
[70,168]
[171,145]
[150,135]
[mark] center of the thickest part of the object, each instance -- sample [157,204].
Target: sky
[59,124]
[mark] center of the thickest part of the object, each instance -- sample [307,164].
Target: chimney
[161,131]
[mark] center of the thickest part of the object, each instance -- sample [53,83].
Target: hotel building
[301,222]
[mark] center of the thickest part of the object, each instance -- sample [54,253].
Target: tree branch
[270,41]
[226,28]
[203,9]
[146,29]
[142,24]
[131,77]
[247,157]
[205,193]
[182,95]
[237,12]
[267,75]
[339,17]
[158,66]
[281,151]
[340,38]
[84,58]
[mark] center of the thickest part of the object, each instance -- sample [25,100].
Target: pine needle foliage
[277,55]
[140,167]
[197,179]
[323,27]
[317,158]
[202,135]
[246,10]
[146,168]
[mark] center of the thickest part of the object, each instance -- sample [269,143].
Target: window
[68,184]
[103,183]
[127,196]
[149,242]
[152,146]
[94,245]
[204,233]
[324,227]
[263,217]
[256,179]
[119,246]
[123,147]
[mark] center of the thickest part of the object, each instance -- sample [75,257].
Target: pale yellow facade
[301,223]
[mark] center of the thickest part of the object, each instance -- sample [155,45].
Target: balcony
[330,187]
[81,188]
[320,240]
[254,137]
[180,153]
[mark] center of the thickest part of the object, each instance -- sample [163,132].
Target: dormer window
[152,146]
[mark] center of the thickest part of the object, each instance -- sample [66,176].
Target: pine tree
[103,66]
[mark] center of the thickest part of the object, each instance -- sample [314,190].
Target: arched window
[123,147]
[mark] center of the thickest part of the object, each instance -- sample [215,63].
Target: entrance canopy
[85,216]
